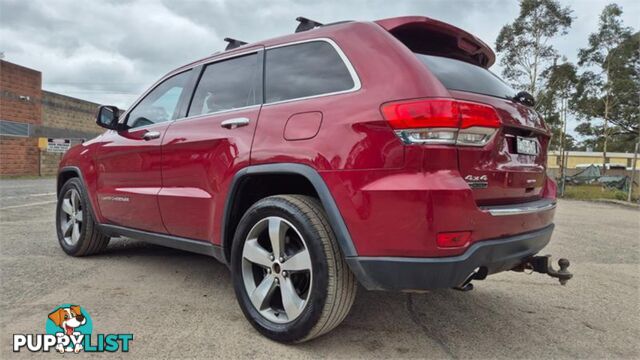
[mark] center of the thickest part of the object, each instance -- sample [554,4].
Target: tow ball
[543,265]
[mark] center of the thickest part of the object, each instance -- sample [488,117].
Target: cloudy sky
[109,51]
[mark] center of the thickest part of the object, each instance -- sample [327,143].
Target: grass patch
[593,192]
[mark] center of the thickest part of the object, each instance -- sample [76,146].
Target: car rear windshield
[462,76]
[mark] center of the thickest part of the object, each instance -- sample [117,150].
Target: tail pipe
[543,265]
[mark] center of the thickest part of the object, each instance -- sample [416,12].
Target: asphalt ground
[182,305]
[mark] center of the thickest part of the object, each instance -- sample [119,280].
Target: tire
[327,287]
[87,238]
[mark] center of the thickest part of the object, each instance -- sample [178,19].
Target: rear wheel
[290,279]
[78,234]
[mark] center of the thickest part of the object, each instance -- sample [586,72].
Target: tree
[524,44]
[560,83]
[609,93]
[554,100]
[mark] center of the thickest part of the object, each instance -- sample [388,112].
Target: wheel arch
[238,200]
[69,172]
[64,175]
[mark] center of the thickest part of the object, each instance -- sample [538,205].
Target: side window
[161,104]
[302,70]
[229,84]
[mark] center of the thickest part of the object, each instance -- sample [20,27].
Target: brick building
[30,118]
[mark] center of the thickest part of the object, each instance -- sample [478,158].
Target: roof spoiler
[428,36]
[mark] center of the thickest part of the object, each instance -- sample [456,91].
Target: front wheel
[290,278]
[78,233]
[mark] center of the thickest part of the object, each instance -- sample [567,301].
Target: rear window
[302,70]
[226,85]
[462,76]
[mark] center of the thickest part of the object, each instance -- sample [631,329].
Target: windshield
[462,76]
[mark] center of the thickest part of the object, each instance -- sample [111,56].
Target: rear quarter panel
[353,134]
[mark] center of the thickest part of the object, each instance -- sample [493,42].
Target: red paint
[129,178]
[303,126]
[464,41]
[199,157]
[395,199]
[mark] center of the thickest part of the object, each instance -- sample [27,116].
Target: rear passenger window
[227,85]
[302,70]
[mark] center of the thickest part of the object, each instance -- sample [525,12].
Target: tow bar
[542,264]
[539,264]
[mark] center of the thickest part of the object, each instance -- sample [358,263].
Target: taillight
[453,239]
[442,121]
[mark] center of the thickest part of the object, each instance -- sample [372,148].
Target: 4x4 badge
[477,182]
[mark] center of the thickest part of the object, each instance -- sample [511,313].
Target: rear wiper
[525,98]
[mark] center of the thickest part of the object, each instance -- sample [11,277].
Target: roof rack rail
[233,43]
[306,24]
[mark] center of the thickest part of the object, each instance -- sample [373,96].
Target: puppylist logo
[69,329]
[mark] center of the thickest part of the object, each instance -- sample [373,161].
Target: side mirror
[108,117]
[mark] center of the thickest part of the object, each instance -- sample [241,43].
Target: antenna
[233,43]
[306,24]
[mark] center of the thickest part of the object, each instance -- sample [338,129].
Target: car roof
[319,32]
[464,38]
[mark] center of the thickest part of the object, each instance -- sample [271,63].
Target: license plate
[527,146]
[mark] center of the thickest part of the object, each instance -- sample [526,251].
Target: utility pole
[563,136]
[633,171]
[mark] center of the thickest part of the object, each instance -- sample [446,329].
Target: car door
[129,160]
[202,152]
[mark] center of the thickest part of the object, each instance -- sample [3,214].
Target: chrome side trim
[520,209]
[200,116]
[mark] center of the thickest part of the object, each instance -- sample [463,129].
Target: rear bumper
[400,214]
[405,273]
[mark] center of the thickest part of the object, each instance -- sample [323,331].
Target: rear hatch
[510,168]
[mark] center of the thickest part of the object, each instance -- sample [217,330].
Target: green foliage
[593,192]
[611,33]
[560,84]
[524,44]
[610,89]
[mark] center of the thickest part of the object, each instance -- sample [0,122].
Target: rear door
[201,153]
[129,161]
[511,167]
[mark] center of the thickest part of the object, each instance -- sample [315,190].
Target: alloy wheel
[71,217]
[277,270]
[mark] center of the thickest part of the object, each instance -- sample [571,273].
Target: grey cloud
[110,51]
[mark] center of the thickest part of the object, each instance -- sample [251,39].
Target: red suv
[382,153]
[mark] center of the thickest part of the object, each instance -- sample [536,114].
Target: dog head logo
[68,318]
[69,323]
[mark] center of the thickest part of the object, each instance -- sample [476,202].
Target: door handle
[234,123]
[150,135]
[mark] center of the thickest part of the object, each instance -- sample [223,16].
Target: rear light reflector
[442,121]
[453,239]
[422,114]
[473,114]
